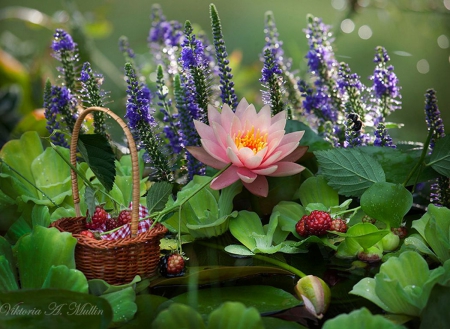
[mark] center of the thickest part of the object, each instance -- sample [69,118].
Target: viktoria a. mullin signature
[52,309]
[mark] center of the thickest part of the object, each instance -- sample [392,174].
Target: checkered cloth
[125,230]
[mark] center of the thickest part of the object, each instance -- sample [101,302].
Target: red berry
[172,265]
[300,226]
[318,223]
[98,219]
[338,225]
[89,234]
[401,231]
[111,224]
[124,217]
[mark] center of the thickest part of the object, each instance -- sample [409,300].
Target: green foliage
[97,152]
[434,230]
[435,314]
[157,196]
[387,202]
[396,290]
[310,138]
[349,171]
[316,190]
[440,158]
[358,317]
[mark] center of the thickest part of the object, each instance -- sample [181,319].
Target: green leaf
[226,198]
[38,251]
[238,249]
[7,279]
[290,213]
[356,318]
[178,316]
[158,195]
[349,171]
[147,311]
[365,234]
[272,322]
[122,304]
[234,315]
[435,314]
[265,299]
[54,308]
[97,152]
[244,226]
[440,158]
[100,287]
[40,215]
[310,138]
[316,190]
[387,202]
[61,277]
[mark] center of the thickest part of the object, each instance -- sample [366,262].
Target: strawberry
[338,225]
[172,265]
[98,218]
[124,217]
[317,223]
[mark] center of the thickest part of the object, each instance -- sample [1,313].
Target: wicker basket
[115,261]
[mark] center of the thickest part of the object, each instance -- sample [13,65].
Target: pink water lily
[253,142]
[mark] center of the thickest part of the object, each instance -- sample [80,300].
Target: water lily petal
[259,187]
[246,175]
[266,171]
[248,158]
[204,131]
[296,136]
[226,117]
[287,169]
[271,159]
[228,177]
[233,156]
[215,150]
[220,134]
[274,140]
[296,154]
[287,149]
[201,155]
[264,120]
[213,114]
[243,104]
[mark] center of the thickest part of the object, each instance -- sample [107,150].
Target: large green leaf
[178,316]
[316,190]
[440,158]
[62,277]
[147,311]
[435,314]
[234,315]
[387,202]
[245,226]
[38,251]
[7,279]
[359,318]
[265,299]
[290,213]
[349,171]
[122,304]
[364,234]
[158,195]
[53,308]
[97,152]
[19,154]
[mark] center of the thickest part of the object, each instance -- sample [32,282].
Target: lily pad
[357,317]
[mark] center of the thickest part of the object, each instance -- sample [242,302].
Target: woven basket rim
[158,230]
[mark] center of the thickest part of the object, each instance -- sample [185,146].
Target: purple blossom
[270,69]
[382,137]
[433,117]
[62,41]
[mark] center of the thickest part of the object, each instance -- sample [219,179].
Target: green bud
[315,293]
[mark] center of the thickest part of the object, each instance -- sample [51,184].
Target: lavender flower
[56,101]
[351,88]
[353,135]
[385,89]
[93,95]
[272,81]
[382,137]
[143,124]
[64,50]
[128,53]
[440,190]
[226,84]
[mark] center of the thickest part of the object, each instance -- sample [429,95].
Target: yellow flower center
[254,141]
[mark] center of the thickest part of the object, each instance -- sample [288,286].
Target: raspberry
[401,231]
[124,217]
[338,225]
[89,234]
[300,226]
[172,265]
[98,219]
[317,223]
[111,224]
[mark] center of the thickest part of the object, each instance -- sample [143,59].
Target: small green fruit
[315,293]
[390,242]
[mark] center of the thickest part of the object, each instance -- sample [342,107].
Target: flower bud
[315,293]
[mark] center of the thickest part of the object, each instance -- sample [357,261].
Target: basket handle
[134,164]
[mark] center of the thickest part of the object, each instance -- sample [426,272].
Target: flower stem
[422,157]
[280,264]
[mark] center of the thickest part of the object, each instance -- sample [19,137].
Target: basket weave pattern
[115,261]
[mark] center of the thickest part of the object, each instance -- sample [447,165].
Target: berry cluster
[172,265]
[319,223]
[123,218]
[98,218]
